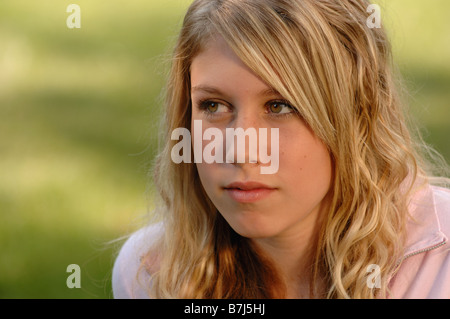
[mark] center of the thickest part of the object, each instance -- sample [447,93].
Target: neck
[293,254]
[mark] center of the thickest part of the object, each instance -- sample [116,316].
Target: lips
[248,192]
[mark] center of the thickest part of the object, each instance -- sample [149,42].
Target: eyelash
[282,115]
[203,106]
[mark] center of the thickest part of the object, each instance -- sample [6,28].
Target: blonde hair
[322,57]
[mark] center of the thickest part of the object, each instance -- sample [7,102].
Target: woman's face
[227,94]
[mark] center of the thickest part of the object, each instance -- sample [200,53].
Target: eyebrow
[214,90]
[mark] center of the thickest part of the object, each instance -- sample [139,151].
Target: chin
[252,228]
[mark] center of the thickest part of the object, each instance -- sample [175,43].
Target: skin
[284,224]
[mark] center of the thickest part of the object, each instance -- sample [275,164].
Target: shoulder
[127,279]
[442,207]
[425,267]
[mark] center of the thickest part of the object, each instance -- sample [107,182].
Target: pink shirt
[424,272]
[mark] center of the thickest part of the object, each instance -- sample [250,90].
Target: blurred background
[79,110]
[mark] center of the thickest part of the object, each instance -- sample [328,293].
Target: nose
[246,118]
[242,140]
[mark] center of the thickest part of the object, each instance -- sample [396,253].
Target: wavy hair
[338,73]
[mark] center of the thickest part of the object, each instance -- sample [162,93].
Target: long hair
[322,57]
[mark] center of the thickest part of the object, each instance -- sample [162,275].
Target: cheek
[208,175]
[208,172]
[210,178]
[306,165]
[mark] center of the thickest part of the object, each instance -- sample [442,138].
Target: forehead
[217,65]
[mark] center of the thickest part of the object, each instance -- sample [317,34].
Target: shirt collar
[423,228]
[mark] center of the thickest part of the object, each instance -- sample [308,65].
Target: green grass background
[78,116]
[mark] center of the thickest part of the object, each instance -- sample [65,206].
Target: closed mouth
[248,192]
[248,186]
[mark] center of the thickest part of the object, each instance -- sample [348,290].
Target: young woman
[350,211]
